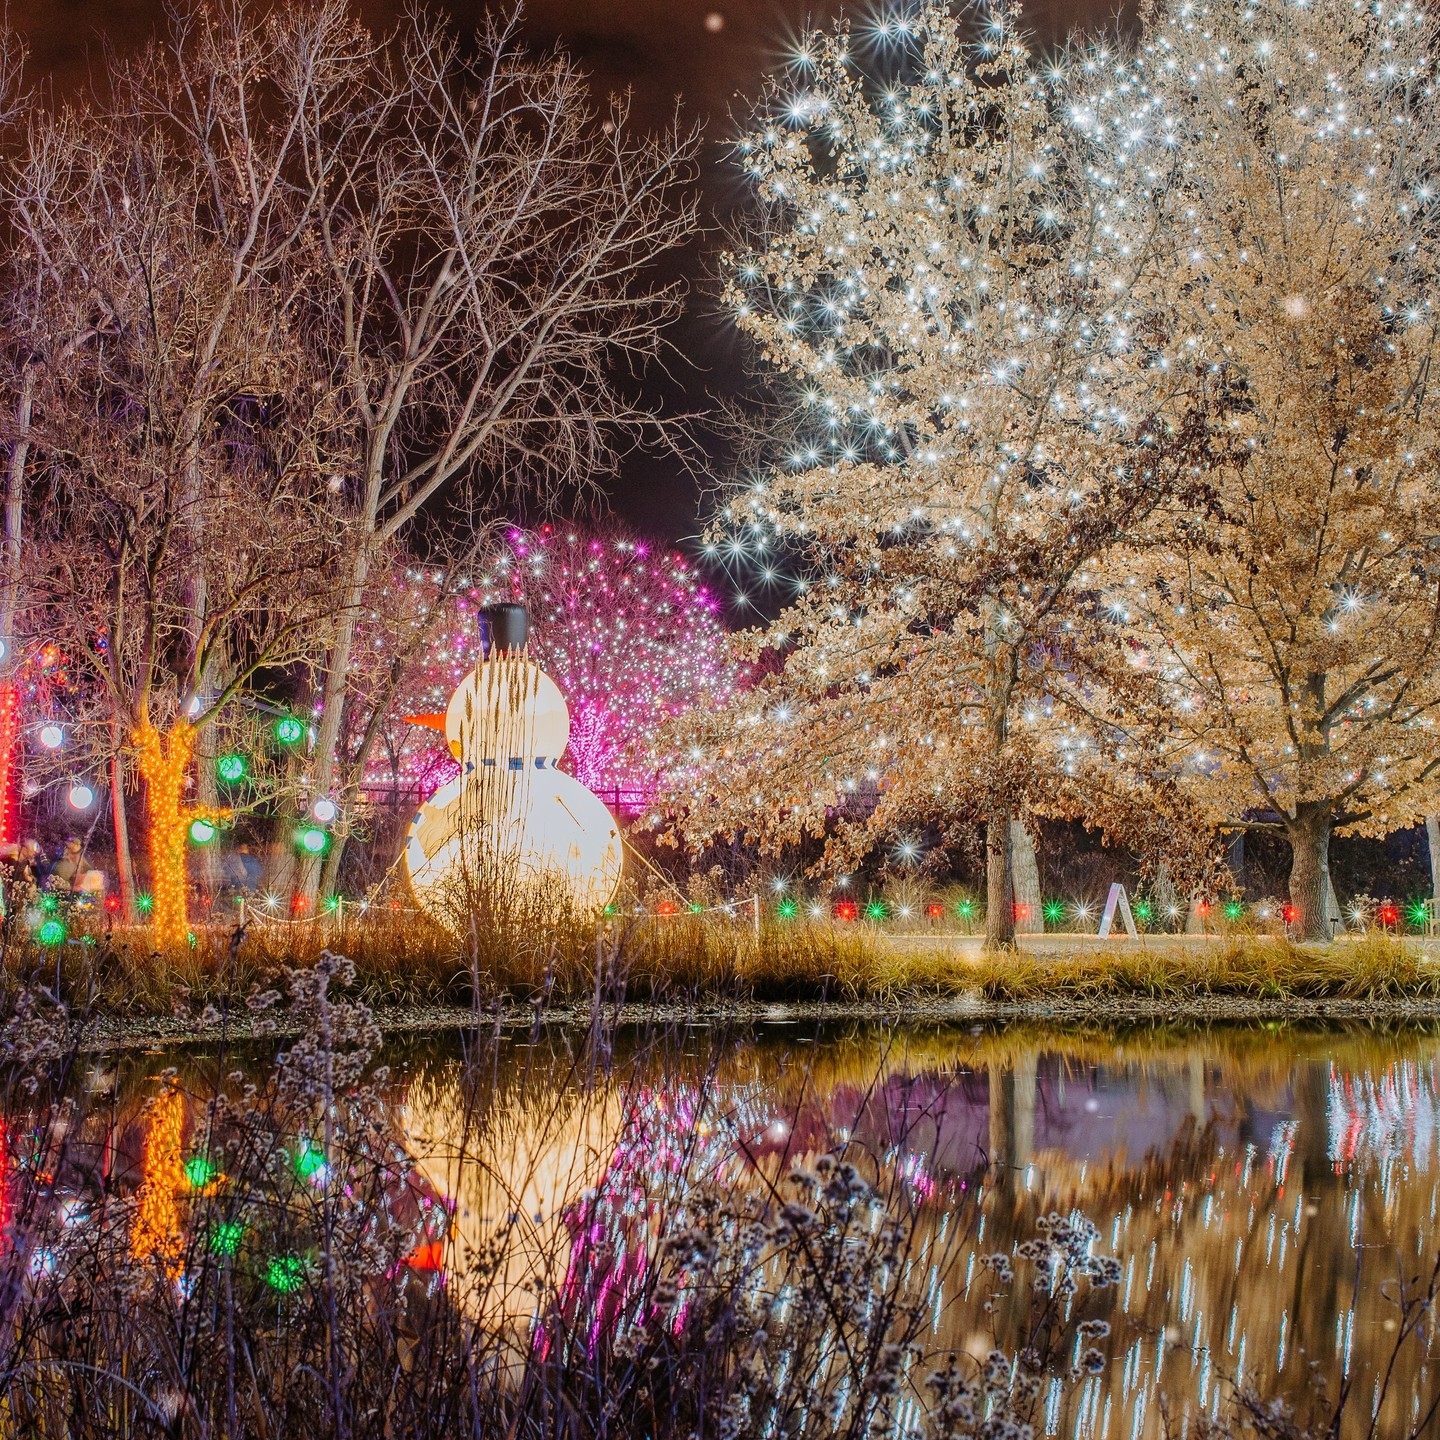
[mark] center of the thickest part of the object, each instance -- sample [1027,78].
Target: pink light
[628,643]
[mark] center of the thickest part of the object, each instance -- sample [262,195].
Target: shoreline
[111,1032]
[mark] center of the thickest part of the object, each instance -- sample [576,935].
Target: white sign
[1118,897]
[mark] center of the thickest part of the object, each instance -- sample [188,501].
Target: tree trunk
[1235,860]
[358,764]
[207,792]
[999,855]
[999,884]
[1166,900]
[1309,835]
[9,750]
[330,870]
[1432,834]
[164,759]
[15,515]
[124,865]
[332,705]
[1025,882]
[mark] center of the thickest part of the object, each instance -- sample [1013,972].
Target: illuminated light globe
[289,730]
[52,737]
[313,841]
[202,832]
[510,821]
[81,797]
[231,768]
[325,810]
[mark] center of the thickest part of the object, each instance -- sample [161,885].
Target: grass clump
[543,958]
[1371,967]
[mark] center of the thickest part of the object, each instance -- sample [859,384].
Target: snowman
[511,822]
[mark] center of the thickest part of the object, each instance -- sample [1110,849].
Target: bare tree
[485,242]
[15,438]
[170,449]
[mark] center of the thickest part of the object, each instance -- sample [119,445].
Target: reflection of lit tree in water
[1239,1188]
[156,1231]
[565,1191]
[6,1198]
[666,1146]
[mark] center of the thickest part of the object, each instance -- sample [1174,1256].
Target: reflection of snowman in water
[510,819]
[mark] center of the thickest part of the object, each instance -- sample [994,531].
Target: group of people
[26,870]
[25,867]
[241,870]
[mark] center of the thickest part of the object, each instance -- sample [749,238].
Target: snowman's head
[507,709]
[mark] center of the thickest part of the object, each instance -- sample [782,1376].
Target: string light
[156,1231]
[200,1173]
[9,734]
[226,1236]
[628,631]
[285,1274]
[164,763]
[232,768]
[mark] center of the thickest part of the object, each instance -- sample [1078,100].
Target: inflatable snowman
[511,821]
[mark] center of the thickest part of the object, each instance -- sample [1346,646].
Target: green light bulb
[285,1274]
[231,768]
[310,1162]
[199,1172]
[225,1237]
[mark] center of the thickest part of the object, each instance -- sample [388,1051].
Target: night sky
[708,54]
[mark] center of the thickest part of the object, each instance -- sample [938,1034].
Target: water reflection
[1265,1191]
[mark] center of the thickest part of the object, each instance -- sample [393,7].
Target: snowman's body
[510,821]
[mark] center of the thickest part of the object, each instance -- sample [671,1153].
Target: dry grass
[404,959]
[1255,967]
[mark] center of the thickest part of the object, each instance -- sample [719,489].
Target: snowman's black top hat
[503,628]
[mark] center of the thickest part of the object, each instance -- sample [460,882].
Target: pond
[1269,1192]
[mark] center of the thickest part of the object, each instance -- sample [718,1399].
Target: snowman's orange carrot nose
[430,722]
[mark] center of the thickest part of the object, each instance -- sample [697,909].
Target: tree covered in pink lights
[628,630]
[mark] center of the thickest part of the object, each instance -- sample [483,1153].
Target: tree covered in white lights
[1289,152]
[934,282]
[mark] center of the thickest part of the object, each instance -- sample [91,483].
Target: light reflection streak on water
[1237,1178]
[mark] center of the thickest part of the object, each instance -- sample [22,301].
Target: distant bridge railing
[405,799]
